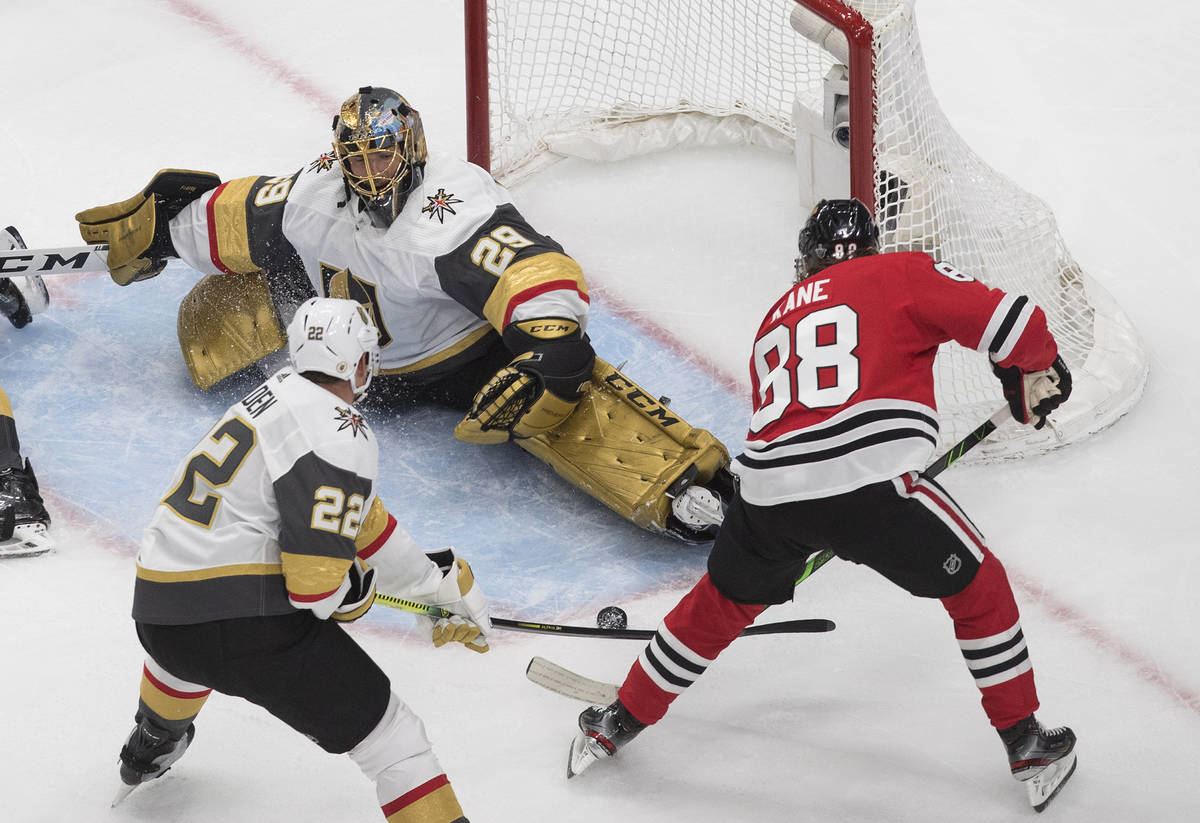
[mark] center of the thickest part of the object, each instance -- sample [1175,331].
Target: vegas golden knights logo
[341,283]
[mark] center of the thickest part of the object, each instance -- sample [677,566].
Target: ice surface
[878,721]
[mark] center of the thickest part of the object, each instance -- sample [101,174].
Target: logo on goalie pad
[634,394]
[953,564]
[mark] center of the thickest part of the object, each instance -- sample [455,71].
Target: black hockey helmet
[836,230]
[380,143]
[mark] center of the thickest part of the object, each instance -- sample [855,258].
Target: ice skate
[24,521]
[148,753]
[697,511]
[602,730]
[1043,759]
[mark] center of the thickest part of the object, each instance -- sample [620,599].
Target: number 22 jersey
[842,371]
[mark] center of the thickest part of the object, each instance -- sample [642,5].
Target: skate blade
[122,793]
[581,755]
[28,540]
[1046,785]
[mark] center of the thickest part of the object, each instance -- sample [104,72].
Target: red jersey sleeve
[1009,328]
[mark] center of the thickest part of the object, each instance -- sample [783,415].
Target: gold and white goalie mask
[380,143]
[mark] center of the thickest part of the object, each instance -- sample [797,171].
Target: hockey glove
[137,230]
[1033,395]
[537,390]
[359,596]
[469,624]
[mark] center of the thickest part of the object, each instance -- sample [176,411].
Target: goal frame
[995,229]
[861,65]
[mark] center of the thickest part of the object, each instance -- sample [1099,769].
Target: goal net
[842,85]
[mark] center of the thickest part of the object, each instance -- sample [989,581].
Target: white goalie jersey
[458,262]
[269,510]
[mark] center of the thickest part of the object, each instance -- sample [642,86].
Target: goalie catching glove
[137,230]
[537,390]
[469,624]
[1033,395]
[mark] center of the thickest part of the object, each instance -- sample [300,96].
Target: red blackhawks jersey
[842,371]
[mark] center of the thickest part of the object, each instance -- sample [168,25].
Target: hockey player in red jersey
[270,536]
[844,421]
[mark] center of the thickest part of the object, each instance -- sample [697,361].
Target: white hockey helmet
[330,335]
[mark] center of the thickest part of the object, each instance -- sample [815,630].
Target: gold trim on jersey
[373,526]
[445,354]
[6,406]
[542,272]
[438,805]
[213,573]
[309,575]
[229,224]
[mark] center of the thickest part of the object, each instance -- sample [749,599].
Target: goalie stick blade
[569,684]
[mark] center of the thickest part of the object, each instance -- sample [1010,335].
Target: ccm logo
[53,261]
[639,398]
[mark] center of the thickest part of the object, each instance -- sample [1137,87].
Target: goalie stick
[563,681]
[783,627]
[66,260]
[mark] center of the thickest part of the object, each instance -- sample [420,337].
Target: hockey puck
[612,617]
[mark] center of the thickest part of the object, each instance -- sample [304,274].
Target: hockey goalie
[477,309]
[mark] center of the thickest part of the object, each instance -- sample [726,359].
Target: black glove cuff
[564,363]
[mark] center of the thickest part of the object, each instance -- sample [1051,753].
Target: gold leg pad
[227,322]
[625,448]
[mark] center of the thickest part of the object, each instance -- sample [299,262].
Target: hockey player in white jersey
[269,536]
[476,309]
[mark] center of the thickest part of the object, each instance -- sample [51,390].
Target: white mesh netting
[611,78]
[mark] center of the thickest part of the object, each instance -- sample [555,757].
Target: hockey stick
[948,459]
[783,627]
[66,260]
[563,681]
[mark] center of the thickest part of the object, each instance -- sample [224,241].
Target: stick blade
[563,681]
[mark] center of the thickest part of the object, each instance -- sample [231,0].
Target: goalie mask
[380,144]
[330,335]
[836,230]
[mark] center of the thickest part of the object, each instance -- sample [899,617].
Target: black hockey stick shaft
[969,442]
[948,459]
[782,627]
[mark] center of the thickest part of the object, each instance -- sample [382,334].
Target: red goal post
[842,85]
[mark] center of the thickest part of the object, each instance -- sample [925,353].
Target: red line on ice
[229,37]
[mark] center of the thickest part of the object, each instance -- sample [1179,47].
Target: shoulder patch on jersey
[323,163]
[347,418]
[439,205]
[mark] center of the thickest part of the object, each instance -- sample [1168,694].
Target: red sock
[692,635]
[988,627]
